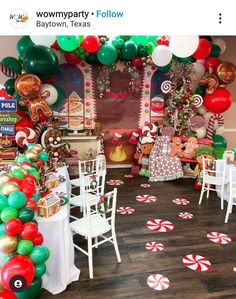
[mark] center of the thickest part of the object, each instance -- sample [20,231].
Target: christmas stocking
[116,139]
[133,138]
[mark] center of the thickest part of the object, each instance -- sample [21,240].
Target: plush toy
[190,148]
[29,87]
[146,149]
[52,141]
[176,147]
[207,152]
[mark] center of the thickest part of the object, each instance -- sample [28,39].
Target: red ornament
[219,101]
[55,46]
[29,231]
[91,43]
[18,268]
[32,204]
[211,63]
[38,240]
[203,50]
[71,58]
[180,107]
[39,163]
[13,226]
[169,114]
[137,61]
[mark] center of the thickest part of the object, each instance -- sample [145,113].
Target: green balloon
[36,197]
[129,50]
[117,42]
[234,150]
[107,54]
[215,51]
[2,229]
[68,42]
[219,141]
[32,291]
[12,63]
[43,156]
[23,45]
[150,47]
[18,173]
[92,59]
[219,151]
[165,68]
[34,164]
[38,254]
[17,199]
[186,59]
[25,215]
[40,269]
[3,202]
[125,37]
[41,61]
[139,39]
[34,172]
[152,39]
[47,254]
[142,50]
[200,90]
[25,247]
[8,213]
[22,158]
[9,86]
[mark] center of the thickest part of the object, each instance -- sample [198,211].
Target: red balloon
[25,163]
[211,63]
[13,226]
[16,180]
[30,178]
[7,295]
[28,188]
[91,43]
[24,122]
[55,46]
[203,50]
[38,240]
[17,273]
[39,163]
[29,231]
[32,204]
[137,61]
[219,101]
[71,58]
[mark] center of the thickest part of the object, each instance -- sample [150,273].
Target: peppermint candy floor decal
[146,198]
[154,246]
[145,185]
[115,182]
[125,210]
[129,176]
[219,238]
[185,215]
[158,282]
[181,201]
[234,269]
[196,262]
[160,225]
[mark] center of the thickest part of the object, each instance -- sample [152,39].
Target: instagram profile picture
[19,18]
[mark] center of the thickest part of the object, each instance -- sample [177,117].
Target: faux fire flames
[118,154]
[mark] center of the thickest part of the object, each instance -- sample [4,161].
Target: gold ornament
[8,244]
[9,187]
[4,178]
[31,154]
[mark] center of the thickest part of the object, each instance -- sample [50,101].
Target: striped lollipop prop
[25,136]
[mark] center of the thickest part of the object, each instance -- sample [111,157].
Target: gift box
[52,181]
[48,205]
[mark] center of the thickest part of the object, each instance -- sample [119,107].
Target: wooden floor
[128,279]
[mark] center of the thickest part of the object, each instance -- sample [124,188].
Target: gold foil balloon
[38,147]
[31,154]
[211,82]
[9,187]
[226,72]
[8,244]
[4,178]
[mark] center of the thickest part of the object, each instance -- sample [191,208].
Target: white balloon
[53,93]
[220,130]
[197,71]
[43,40]
[183,45]
[221,43]
[161,55]
[202,110]
[201,132]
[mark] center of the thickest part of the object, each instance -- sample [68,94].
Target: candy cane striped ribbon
[39,127]
[8,71]
[211,124]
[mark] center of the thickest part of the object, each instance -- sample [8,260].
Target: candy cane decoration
[211,125]
[8,71]
[39,127]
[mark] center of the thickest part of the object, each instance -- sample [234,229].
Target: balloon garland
[23,263]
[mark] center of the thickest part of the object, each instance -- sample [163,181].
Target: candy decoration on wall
[25,136]
[219,238]
[196,262]
[154,246]
[158,282]
[212,122]
[181,201]
[146,198]
[125,210]
[160,225]
[8,71]
[116,138]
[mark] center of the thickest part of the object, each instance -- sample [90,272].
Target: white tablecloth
[61,270]
[226,189]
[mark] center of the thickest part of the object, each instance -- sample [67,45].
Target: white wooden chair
[232,193]
[91,185]
[95,225]
[213,175]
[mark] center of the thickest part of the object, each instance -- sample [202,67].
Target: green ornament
[25,215]
[40,269]
[17,199]
[9,86]
[3,202]
[8,213]
[38,254]
[18,173]
[43,156]
[25,247]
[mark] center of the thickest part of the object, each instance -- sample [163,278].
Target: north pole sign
[8,105]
